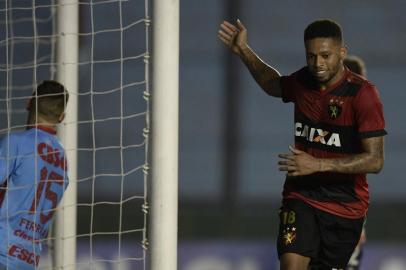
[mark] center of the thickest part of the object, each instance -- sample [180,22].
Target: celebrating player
[339,129]
[33,178]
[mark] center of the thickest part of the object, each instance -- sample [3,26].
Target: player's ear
[343,51]
[61,118]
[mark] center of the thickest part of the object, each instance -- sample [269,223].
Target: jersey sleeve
[8,157]
[368,110]
[287,87]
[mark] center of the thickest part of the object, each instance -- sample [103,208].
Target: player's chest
[326,108]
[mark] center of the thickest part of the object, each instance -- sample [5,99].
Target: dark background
[230,131]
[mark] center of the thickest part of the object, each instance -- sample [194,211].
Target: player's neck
[34,121]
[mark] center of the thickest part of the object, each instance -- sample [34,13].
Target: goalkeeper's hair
[356,65]
[323,29]
[51,98]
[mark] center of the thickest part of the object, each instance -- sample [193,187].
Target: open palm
[235,37]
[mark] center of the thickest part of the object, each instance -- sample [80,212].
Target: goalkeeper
[33,178]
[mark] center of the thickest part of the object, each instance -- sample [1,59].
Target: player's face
[324,58]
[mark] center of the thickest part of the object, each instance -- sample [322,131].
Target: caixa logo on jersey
[317,135]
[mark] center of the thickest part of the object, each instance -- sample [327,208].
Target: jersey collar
[48,129]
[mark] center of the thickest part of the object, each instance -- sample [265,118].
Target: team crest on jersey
[289,235]
[334,108]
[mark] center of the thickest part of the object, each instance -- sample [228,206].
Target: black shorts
[327,239]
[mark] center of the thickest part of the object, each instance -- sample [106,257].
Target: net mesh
[113,123]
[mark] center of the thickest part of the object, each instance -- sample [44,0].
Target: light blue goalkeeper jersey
[33,179]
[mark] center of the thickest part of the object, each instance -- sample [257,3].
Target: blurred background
[230,130]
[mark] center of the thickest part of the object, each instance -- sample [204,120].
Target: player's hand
[234,36]
[298,163]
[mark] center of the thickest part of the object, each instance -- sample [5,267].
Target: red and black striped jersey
[331,123]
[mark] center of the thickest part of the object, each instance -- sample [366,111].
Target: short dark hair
[51,98]
[323,29]
[356,65]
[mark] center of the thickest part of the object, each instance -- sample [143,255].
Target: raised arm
[235,38]
[369,161]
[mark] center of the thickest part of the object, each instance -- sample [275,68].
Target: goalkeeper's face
[325,59]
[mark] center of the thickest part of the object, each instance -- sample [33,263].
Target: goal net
[112,124]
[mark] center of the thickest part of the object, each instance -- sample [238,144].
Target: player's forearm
[359,163]
[261,72]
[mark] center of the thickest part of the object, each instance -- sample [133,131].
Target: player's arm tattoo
[369,161]
[266,76]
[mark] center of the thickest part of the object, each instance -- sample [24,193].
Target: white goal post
[164,130]
[67,59]
[165,116]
